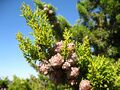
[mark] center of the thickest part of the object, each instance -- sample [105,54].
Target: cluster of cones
[58,69]
[47,9]
[85,85]
[63,71]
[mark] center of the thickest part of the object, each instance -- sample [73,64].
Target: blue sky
[12,61]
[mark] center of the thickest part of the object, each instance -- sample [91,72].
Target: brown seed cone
[85,85]
[72,59]
[66,66]
[46,9]
[58,46]
[51,12]
[72,81]
[73,56]
[44,68]
[71,62]
[56,60]
[71,47]
[73,73]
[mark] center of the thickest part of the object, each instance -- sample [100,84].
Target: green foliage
[42,33]
[102,73]
[83,51]
[18,84]
[63,23]
[30,51]
[101,17]
[98,28]
[118,67]
[118,18]
[31,83]
[82,9]
[99,42]
[84,55]
[79,32]
[117,80]
[4,82]
[67,36]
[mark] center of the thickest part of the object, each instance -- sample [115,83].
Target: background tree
[32,83]
[4,82]
[102,20]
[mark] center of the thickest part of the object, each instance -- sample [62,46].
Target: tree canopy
[102,18]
